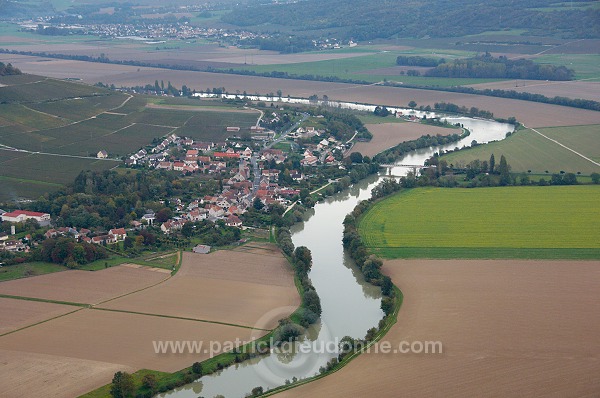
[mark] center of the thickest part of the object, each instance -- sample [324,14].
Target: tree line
[487,66]
[426,141]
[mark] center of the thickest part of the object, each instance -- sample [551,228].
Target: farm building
[201,249]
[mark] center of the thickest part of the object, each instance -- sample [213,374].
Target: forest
[361,20]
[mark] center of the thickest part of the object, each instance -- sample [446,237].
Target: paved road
[284,135]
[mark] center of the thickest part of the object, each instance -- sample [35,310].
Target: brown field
[572,89]
[24,373]
[209,287]
[387,135]
[83,286]
[120,338]
[255,57]
[531,113]
[77,352]
[16,314]
[508,328]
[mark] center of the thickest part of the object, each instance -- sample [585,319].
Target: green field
[10,272]
[365,68]
[527,150]
[502,222]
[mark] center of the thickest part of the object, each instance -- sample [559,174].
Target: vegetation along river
[350,305]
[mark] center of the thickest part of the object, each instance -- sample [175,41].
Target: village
[251,175]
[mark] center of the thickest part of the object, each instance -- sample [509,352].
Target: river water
[350,305]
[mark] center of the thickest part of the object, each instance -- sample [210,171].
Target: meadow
[527,151]
[502,222]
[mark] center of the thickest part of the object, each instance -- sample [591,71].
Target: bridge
[412,166]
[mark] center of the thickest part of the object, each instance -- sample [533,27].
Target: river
[350,305]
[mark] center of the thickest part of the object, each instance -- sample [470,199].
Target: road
[284,135]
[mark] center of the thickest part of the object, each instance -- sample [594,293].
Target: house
[24,215]
[149,218]
[233,129]
[118,233]
[165,166]
[14,246]
[171,225]
[102,154]
[201,249]
[178,166]
[104,239]
[233,221]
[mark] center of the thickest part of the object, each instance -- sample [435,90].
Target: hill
[51,130]
[361,20]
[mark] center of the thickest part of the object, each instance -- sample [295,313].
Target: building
[201,249]
[102,154]
[118,233]
[24,215]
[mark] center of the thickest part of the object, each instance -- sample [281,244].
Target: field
[527,150]
[59,127]
[503,222]
[67,333]
[508,328]
[573,89]
[388,135]
[198,288]
[28,269]
[83,286]
[531,113]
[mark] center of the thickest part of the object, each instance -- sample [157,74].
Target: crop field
[47,168]
[531,113]
[527,150]
[502,222]
[584,89]
[83,286]
[363,67]
[16,314]
[507,328]
[63,335]
[387,135]
[80,120]
[261,276]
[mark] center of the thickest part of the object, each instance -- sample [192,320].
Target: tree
[197,368]
[503,170]
[257,204]
[312,302]
[492,164]
[149,381]
[256,391]
[412,104]
[122,385]
[595,178]
[188,229]
[163,214]
[356,157]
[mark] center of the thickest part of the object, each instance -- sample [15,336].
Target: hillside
[51,130]
[361,20]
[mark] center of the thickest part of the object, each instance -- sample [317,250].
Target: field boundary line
[177,317]
[564,146]
[39,323]
[41,300]
[135,291]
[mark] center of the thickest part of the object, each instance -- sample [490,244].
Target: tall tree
[122,385]
[503,170]
[492,164]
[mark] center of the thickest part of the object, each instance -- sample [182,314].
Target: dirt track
[508,328]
